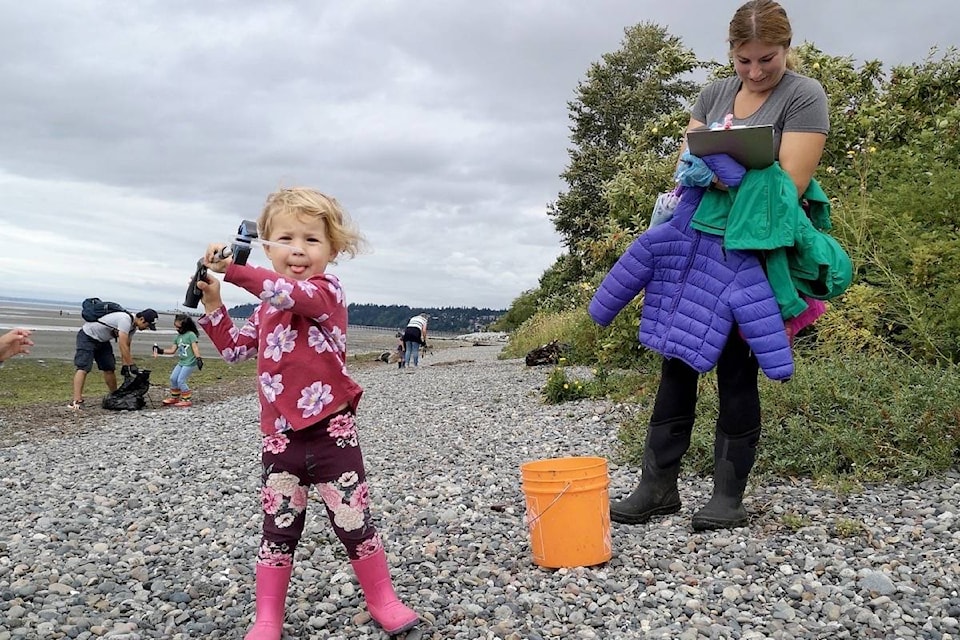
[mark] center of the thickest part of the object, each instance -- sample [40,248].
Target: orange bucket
[568,511]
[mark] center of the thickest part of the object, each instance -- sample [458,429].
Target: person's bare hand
[15,342]
[213,261]
[210,293]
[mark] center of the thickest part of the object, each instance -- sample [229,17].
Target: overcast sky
[134,133]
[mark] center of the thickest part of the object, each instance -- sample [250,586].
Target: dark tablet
[750,146]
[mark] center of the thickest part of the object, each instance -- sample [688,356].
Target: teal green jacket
[764,214]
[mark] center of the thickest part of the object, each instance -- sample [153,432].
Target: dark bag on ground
[92,309]
[130,395]
[549,353]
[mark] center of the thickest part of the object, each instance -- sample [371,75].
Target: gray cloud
[133,135]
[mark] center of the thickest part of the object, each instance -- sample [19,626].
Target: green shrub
[858,417]
[559,388]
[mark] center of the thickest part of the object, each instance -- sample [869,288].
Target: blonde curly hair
[306,202]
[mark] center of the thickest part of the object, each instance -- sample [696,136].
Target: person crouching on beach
[307,399]
[93,345]
[414,336]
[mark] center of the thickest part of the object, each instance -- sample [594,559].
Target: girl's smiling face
[309,250]
[759,65]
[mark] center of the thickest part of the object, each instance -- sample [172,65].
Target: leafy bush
[876,393]
[521,310]
[860,417]
[572,327]
[538,330]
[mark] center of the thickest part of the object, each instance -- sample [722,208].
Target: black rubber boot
[657,494]
[733,460]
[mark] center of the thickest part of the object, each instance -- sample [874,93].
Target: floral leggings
[326,455]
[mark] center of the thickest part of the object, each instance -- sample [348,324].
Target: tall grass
[574,328]
[853,417]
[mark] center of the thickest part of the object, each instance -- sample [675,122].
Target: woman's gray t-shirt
[797,103]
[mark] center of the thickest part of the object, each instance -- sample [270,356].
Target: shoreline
[54,334]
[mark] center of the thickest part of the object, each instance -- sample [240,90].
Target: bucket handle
[531,521]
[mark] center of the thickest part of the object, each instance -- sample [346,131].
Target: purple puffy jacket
[695,293]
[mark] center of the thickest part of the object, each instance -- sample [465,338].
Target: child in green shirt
[187,349]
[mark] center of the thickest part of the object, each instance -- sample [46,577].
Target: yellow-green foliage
[852,325]
[877,388]
[572,327]
[560,388]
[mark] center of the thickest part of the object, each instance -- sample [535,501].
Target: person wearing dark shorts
[93,346]
[90,351]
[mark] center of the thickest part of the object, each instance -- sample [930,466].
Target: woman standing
[765,90]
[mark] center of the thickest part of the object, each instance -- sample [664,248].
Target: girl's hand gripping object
[239,250]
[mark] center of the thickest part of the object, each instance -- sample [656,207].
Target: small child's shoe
[183,403]
[171,400]
[76,405]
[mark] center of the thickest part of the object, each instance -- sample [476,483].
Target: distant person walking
[186,347]
[93,345]
[414,336]
[15,342]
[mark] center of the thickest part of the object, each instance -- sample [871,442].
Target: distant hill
[452,319]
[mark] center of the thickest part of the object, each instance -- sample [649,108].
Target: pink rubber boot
[382,601]
[272,585]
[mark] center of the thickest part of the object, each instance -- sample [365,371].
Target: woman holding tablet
[765,91]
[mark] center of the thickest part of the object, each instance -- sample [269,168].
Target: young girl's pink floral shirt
[299,332]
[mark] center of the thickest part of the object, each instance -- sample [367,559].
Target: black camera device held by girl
[239,249]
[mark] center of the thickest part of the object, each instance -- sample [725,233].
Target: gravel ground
[146,527]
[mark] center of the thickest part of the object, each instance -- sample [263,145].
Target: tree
[639,83]
[889,166]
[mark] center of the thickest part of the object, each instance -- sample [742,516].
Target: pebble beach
[147,527]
